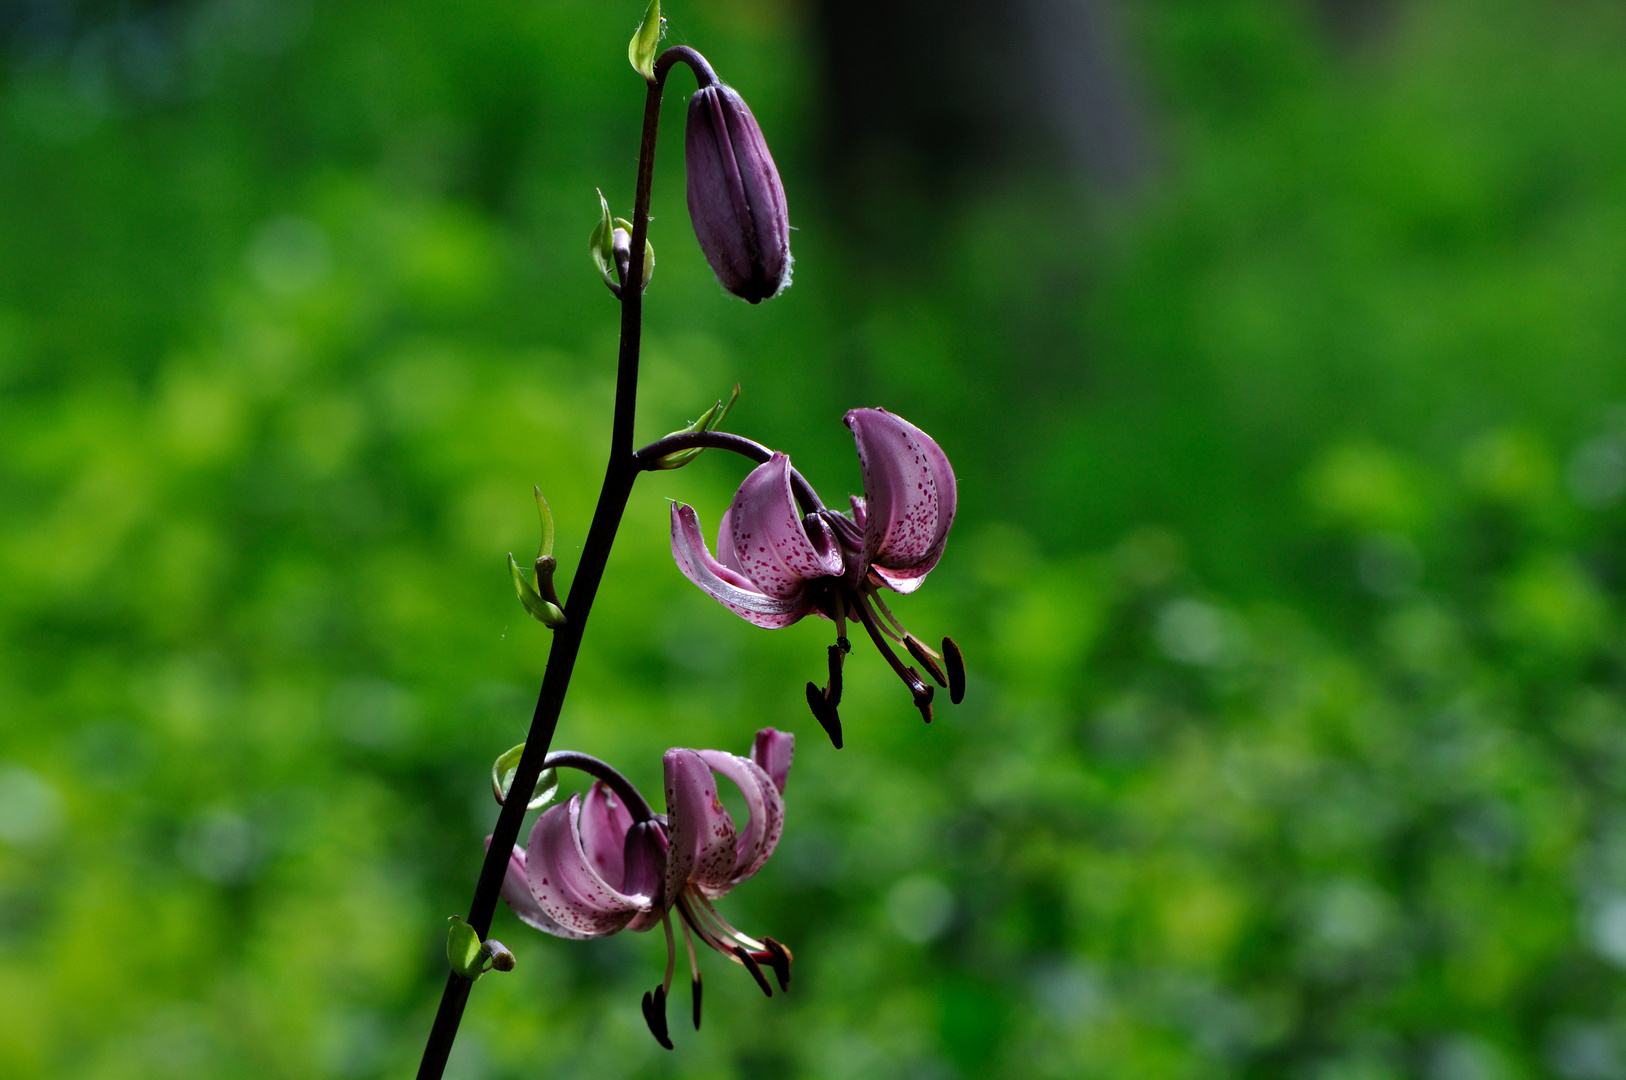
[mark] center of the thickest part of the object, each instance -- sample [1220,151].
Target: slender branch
[723,440]
[599,770]
[619,475]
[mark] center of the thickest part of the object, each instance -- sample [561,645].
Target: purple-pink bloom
[777,562]
[591,869]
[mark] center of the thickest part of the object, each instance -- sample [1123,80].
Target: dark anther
[780,959]
[825,714]
[919,652]
[696,986]
[956,670]
[923,702]
[751,966]
[655,1015]
[832,692]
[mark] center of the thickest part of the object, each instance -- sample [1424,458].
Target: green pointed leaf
[647,38]
[543,611]
[463,949]
[600,244]
[710,420]
[543,512]
[502,778]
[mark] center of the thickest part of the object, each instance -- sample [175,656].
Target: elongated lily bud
[736,201]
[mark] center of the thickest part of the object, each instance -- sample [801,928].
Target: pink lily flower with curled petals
[605,862]
[777,562]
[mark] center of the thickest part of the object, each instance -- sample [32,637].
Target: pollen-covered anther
[825,713]
[832,690]
[654,1005]
[923,699]
[751,965]
[778,956]
[926,660]
[956,670]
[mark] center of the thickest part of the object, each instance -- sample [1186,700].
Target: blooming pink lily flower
[777,562]
[604,862]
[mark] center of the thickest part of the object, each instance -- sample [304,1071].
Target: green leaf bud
[502,778]
[645,40]
[463,949]
[601,245]
[709,420]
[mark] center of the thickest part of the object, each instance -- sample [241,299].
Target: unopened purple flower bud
[736,201]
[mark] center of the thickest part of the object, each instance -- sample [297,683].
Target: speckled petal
[605,821]
[909,497]
[728,587]
[773,751]
[703,843]
[725,546]
[517,892]
[772,544]
[564,882]
[767,815]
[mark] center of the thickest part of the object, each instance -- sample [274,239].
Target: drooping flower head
[736,201]
[778,561]
[605,862]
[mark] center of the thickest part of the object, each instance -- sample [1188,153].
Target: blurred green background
[1277,345]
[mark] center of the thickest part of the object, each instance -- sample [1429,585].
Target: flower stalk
[620,472]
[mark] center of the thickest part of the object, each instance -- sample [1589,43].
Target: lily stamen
[911,678]
[744,939]
[694,973]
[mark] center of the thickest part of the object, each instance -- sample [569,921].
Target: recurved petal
[773,751]
[645,859]
[765,823]
[728,587]
[517,892]
[564,882]
[770,542]
[909,496]
[702,847]
[604,825]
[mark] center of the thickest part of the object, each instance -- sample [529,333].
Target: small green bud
[601,245]
[543,611]
[540,599]
[502,778]
[463,949]
[501,958]
[709,420]
[645,40]
[469,956]
[621,245]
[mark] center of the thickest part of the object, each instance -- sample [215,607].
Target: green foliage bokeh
[1288,568]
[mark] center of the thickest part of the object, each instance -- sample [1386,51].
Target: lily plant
[604,861]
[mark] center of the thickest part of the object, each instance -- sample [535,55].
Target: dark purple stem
[599,770]
[619,474]
[723,440]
